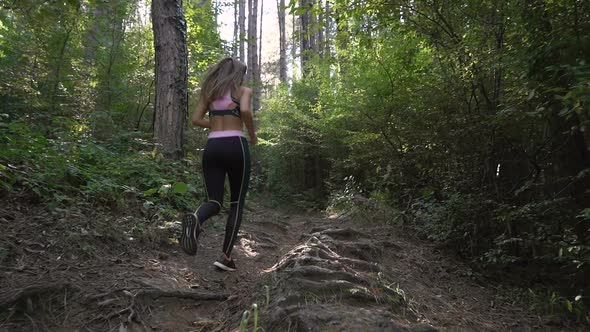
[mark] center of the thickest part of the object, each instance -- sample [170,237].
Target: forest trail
[305,272]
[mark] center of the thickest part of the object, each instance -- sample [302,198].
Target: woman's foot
[225,263]
[191,229]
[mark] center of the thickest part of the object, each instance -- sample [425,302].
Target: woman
[226,152]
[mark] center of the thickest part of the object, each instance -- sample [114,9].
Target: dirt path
[305,272]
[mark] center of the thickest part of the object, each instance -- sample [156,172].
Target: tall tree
[320,28]
[58,67]
[171,101]
[306,34]
[105,49]
[295,32]
[236,30]
[327,29]
[242,28]
[313,25]
[282,42]
[252,74]
[260,40]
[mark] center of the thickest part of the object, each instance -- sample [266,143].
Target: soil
[87,270]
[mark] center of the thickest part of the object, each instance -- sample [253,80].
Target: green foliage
[459,221]
[92,60]
[71,166]
[469,121]
[204,43]
[350,202]
[77,88]
[246,318]
[552,303]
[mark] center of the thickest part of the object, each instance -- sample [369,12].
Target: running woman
[226,152]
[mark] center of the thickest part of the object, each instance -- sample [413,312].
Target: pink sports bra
[220,106]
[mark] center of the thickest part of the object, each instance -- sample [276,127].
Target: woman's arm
[198,118]
[246,114]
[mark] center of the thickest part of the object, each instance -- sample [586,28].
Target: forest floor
[75,270]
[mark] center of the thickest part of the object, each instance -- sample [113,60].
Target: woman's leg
[239,178]
[214,176]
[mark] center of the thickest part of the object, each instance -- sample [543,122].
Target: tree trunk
[236,30]
[294,42]
[57,72]
[327,29]
[342,34]
[313,26]
[321,27]
[242,27]
[282,42]
[171,99]
[253,74]
[304,36]
[260,40]
[252,61]
[117,37]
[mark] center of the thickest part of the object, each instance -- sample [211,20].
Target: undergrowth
[93,193]
[66,165]
[532,246]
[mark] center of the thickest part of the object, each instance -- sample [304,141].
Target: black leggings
[231,156]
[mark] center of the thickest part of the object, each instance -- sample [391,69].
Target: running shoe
[191,229]
[225,264]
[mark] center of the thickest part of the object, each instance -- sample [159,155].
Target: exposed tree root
[343,233]
[20,295]
[155,293]
[182,294]
[321,285]
[314,272]
[339,288]
[366,251]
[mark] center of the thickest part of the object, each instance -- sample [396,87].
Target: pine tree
[171,99]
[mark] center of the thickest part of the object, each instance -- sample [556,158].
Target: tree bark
[304,36]
[242,27]
[236,30]
[253,71]
[320,28]
[313,26]
[171,100]
[327,35]
[252,60]
[282,42]
[260,40]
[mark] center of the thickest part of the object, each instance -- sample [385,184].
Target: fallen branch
[155,293]
[193,295]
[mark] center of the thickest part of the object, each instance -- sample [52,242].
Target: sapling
[255,310]
[244,323]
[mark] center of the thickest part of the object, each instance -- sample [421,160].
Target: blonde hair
[227,74]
